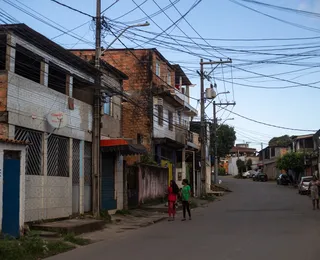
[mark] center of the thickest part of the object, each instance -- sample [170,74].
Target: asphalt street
[256,221]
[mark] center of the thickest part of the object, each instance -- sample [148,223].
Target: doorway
[11,194]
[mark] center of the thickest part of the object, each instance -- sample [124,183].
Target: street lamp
[125,29]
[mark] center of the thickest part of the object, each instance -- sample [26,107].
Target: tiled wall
[47,197]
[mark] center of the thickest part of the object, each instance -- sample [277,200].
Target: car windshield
[306,179]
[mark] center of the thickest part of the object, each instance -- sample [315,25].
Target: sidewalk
[138,218]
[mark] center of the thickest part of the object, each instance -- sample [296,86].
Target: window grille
[75,161]
[87,163]
[33,151]
[58,153]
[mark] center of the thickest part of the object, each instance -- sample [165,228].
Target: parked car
[283,179]
[248,174]
[260,176]
[304,185]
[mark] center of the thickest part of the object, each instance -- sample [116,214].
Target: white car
[248,174]
[304,184]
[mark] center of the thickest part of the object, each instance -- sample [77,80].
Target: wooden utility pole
[97,119]
[215,143]
[203,132]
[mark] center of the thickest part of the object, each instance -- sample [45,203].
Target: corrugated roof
[13,141]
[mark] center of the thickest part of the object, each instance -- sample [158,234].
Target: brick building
[159,112]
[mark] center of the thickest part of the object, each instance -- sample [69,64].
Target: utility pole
[97,119]
[202,132]
[203,122]
[215,143]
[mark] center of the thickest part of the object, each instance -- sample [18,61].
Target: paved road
[257,221]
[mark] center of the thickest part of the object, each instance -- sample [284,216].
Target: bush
[222,171]
[30,247]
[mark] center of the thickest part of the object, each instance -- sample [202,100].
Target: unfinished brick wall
[4,127]
[3,91]
[140,66]
[136,118]
[164,69]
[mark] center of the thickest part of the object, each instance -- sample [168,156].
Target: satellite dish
[57,119]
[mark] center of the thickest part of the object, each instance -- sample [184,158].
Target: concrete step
[48,234]
[76,226]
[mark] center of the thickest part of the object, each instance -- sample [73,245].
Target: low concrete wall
[153,182]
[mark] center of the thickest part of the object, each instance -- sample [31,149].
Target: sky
[258,39]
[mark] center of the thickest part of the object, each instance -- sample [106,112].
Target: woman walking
[185,194]
[173,191]
[314,190]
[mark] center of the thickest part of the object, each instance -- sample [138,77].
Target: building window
[34,150]
[27,64]
[169,78]
[107,106]
[273,152]
[139,138]
[160,115]
[179,117]
[57,79]
[158,68]
[170,114]
[58,156]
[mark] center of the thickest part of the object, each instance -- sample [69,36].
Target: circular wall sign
[57,119]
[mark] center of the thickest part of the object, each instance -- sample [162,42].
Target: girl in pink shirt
[173,191]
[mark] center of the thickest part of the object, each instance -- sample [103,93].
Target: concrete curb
[152,222]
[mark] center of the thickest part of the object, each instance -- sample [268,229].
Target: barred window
[87,163]
[76,161]
[58,156]
[33,151]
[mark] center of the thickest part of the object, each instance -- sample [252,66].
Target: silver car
[304,184]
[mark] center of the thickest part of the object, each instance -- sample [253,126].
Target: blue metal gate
[11,194]
[108,201]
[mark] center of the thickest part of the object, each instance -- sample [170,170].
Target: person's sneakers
[190,218]
[183,219]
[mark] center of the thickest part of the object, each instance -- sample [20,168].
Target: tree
[241,167]
[249,164]
[226,138]
[291,161]
[283,141]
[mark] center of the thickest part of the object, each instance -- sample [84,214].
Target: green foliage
[241,166]
[291,161]
[283,141]
[123,212]
[70,237]
[249,164]
[226,138]
[104,214]
[222,171]
[30,247]
[147,159]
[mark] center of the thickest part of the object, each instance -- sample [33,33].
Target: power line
[107,8]
[130,11]
[267,124]
[313,14]
[44,20]
[73,9]
[278,19]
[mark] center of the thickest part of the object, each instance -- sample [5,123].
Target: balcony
[189,110]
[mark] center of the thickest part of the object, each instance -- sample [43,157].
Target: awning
[169,143]
[122,146]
